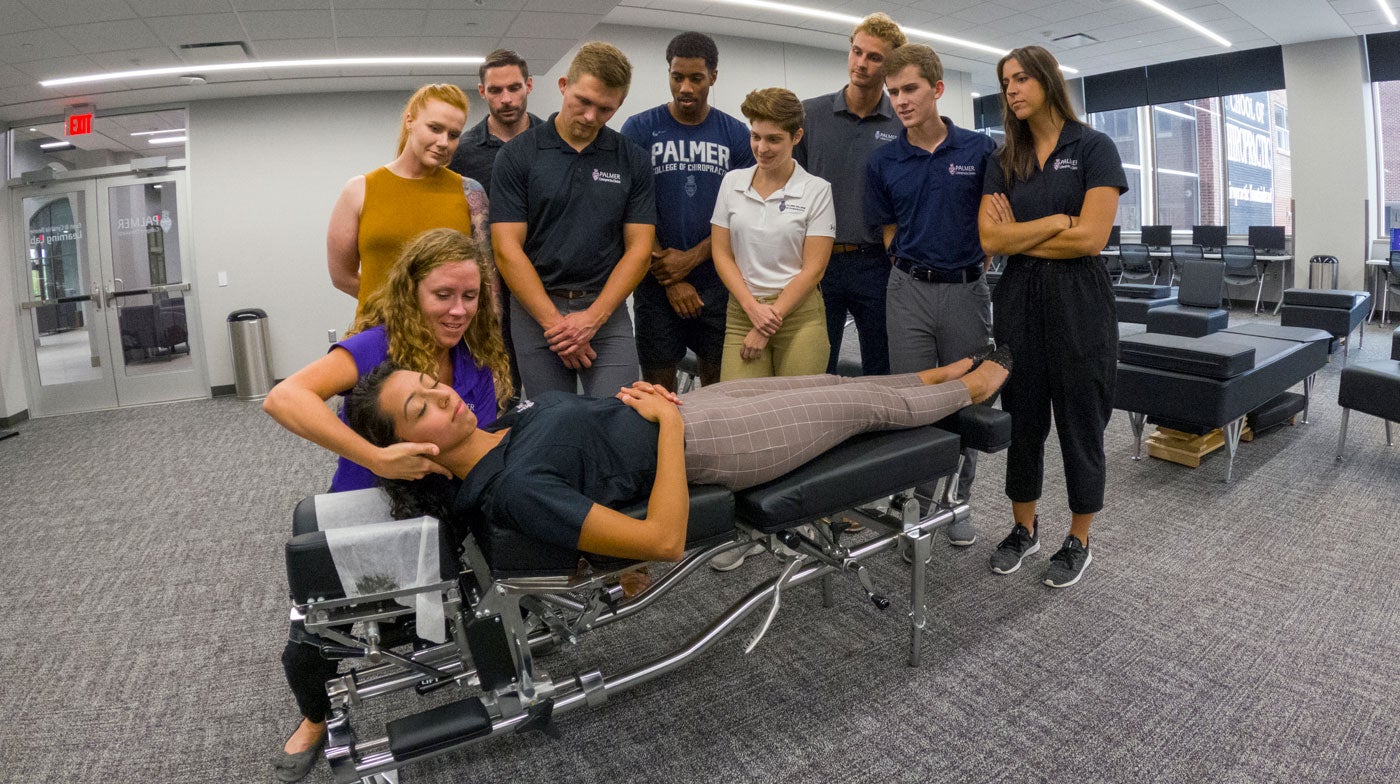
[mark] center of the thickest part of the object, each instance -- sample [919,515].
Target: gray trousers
[541,369]
[933,324]
[745,432]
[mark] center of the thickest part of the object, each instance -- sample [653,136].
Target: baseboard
[14,419]
[227,390]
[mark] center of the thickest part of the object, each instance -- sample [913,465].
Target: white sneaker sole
[1034,548]
[1088,559]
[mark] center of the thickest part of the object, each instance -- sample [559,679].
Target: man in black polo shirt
[573,217]
[840,132]
[505,85]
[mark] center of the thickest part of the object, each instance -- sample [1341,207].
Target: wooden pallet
[1185,448]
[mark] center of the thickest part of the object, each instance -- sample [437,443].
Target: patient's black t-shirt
[563,454]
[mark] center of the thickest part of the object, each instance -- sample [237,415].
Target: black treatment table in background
[1216,380]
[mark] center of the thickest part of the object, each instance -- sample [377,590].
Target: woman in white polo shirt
[771,237]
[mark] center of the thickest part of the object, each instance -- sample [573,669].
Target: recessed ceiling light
[332,62]
[33,130]
[168,140]
[153,133]
[1181,18]
[817,13]
[1389,14]
[56,146]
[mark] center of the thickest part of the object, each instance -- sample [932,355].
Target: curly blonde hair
[395,305]
[880,25]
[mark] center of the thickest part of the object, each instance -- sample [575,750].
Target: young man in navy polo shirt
[682,303]
[924,189]
[573,216]
[841,130]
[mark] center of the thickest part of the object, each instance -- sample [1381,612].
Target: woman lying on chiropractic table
[555,473]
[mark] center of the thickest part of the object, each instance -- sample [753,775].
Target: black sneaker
[1067,566]
[1016,546]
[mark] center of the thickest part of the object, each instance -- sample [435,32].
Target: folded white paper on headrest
[390,556]
[353,507]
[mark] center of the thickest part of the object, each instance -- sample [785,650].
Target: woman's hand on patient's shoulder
[654,403]
[409,460]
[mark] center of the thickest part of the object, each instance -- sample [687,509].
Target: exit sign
[79,124]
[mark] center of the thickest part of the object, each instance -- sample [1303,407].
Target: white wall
[264,173]
[1327,122]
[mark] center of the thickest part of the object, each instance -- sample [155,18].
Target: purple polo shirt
[370,348]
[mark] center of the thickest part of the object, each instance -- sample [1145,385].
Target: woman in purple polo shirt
[436,315]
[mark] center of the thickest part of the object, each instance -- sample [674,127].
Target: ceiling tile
[599,7]
[199,28]
[379,22]
[563,26]
[33,45]
[149,8]
[19,19]
[392,5]
[132,59]
[984,13]
[11,77]
[277,5]
[274,25]
[57,13]
[475,23]
[109,36]
[295,49]
[74,65]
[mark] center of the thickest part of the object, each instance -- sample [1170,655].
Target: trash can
[252,368]
[1322,272]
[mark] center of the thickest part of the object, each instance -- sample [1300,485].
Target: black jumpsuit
[1057,317]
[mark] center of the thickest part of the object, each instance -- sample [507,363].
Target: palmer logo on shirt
[786,206]
[960,170]
[882,136]
[609,177]
[1065,164]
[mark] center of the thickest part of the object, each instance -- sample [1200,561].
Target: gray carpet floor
[1225,633]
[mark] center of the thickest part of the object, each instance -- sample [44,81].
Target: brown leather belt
[570,293]
[846,247]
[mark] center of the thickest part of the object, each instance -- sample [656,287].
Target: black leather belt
[931,275]
[570,293]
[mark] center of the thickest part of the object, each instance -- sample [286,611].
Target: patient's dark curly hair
[407,497]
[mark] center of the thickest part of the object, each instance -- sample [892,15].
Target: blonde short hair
[604,62]
[881,26]
[776,105]
[930,67]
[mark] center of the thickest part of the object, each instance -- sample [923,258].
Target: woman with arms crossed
[434,313]
[377,213]
[771,237]
[1049,203]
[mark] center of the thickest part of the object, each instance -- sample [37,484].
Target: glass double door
[108,315]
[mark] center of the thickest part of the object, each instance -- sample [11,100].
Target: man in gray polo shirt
[841,130]
[573,217]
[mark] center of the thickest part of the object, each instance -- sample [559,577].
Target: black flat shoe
[294,767]
[980,355]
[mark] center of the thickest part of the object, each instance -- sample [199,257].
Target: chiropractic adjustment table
[498,600]
[1214,381]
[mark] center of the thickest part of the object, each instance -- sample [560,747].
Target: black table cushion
[1326,298]
[1181,319]
[1134,310]
[1295,334]
[1212,356]
[1144,290]
[1372,388]
[861,470]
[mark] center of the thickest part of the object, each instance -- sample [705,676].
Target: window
[1387,97]
[1121,125]
[1186,139]
[1257,167]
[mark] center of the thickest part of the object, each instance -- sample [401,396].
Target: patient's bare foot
[308,735]
[986,380]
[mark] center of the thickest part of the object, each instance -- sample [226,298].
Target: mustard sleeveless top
[396,210]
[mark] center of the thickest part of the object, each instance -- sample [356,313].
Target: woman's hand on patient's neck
[408,460]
